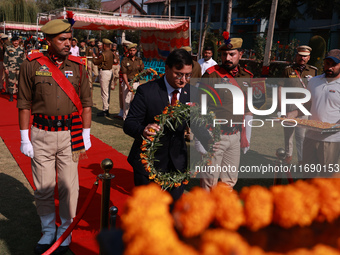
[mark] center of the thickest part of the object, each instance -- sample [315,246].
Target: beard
[331,74]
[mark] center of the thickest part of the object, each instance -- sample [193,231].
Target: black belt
[53,123]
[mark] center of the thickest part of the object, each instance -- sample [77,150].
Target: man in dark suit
[150,100]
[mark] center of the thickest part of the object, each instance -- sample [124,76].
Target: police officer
[234,135]
[92,68]
[13,58]
[196,69]
[130,67]
[298,74]
[54,88]
[82,49]
[105,62]
[115,66]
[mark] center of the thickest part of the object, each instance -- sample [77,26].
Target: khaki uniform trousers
[299,137]
[127,98]
[105,80]
[92,68]
[115,72]
[52,153]
[228,155]
[322,155]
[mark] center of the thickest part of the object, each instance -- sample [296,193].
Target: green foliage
[287,10]
[259,47]
[18,11]
[318,45]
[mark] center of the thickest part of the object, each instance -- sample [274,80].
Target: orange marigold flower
[144,149]
[151,138]
[185,182]
[194,212]
[229,210]
[177,184]
[144,162]
[221,242]
[152,176]
[144,143]
[329,198]
[152,130]
[165,111]
[258,206]
[148,168]
[142,155]
[310,202]
[321,249]
[288,205]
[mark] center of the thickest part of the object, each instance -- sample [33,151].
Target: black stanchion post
[106,165]
[113,216]
[281,155]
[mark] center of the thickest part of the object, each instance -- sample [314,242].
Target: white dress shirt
[206,64]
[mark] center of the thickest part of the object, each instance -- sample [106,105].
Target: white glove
[247,118]
[26,146]
[199,147]
[86,138]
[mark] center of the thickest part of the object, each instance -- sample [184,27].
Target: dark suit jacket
[150,100]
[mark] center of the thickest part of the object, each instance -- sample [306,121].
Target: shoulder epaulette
[34,56]
[78,60]
[313,67]
[288,66]
[211,69]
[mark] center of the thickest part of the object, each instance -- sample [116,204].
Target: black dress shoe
[103,113]
[41,248]
[60,250]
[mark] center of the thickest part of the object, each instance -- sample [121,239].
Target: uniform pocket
[43,86]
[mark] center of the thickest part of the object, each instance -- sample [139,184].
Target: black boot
[11,98]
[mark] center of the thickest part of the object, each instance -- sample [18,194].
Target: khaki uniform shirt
[131,67]
[115,57]
[43,95]
[225,111]
[90,50]
[82,51]
[196,70]
[105,60]
[13,57]
[294,81]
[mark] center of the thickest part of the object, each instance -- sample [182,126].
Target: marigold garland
[171,117]
[139,76]
[149,227]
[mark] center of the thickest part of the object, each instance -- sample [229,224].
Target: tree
[205,29]
[287,10]
[18,11]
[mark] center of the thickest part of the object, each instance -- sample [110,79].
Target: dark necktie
[174,97]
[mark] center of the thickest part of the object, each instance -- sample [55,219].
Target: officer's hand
[26,146]
[6,71]
[86,138]
[150,130]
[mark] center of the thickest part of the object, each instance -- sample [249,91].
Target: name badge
[43,73]
[292,76]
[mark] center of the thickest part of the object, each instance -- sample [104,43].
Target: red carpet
[83,239]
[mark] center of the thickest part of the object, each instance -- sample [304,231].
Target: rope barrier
[75,220]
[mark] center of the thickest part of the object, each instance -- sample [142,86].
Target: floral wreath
[145,72]
[171,117]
